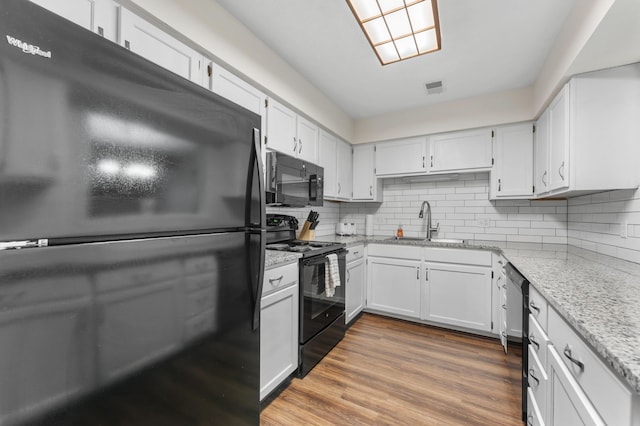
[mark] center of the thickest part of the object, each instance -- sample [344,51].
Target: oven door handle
[317,260]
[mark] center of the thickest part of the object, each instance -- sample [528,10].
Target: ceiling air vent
[434,87]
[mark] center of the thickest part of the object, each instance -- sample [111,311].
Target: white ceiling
[487,46]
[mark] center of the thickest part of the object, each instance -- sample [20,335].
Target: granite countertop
[598,295]
[275,258]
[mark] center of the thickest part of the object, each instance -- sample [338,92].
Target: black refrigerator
[131,236]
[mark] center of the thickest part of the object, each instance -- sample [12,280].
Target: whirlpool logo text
[28,48]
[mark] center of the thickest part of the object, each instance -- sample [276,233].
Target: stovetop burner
[310,247]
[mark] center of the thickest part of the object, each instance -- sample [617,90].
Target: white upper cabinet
[227,85]
[401,157]
[593,134]
[334,156]
[291,134]
[559,141]
[148,41]
[365,184]
[512,174]
[307,134]
[327,159]
[281,128]
[99,16]
[541,154]
[465,151]
[345,170]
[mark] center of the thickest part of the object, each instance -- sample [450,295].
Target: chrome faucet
[430,228]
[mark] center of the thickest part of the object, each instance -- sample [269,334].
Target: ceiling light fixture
[398,29]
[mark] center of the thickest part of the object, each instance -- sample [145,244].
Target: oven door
[317,310]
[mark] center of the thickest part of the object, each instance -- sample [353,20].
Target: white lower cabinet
[394,286]
[568,404]
[278,327]
[355,289]
[458,295]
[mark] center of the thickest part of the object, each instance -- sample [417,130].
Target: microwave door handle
[313,187]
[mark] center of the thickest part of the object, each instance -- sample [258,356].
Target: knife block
[307,234]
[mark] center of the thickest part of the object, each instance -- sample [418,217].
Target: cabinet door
[503,300]
[307,134]
[512,175]
[559,141]
[235,89]
[405,156]
[278,337]
[345,173]
[541,157]
[148,41]
[514,310]
[394,286]
[461,151]
[365,184]
[99,16]
[327,156]
[568,405]
[458,295]
[281,128]
[354,292]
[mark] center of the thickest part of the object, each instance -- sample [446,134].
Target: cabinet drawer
[354,253]
[538,340]
[200,282]
[199,302]
[538,307]
[197,265]
[131,276]
[538,379]
[609,396]
[279,277]
[396,251]
[459,256]
[199,325]
[534,416]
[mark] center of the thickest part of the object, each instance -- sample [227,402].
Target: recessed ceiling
[487,46]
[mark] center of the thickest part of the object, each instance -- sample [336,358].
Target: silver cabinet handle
[532,305]
[500,262]
[532,340]
[423,161]
[273,280]
[504,306]
[544,175]
[418,273]
[295,145]
[432,161]
[355,253]
[533,376]
[300,148]
[371,190]
[499,185]
[339,188]
[561,170]
[569,356]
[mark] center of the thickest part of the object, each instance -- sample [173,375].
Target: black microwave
[293,182]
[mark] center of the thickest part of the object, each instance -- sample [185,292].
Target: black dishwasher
[516,278]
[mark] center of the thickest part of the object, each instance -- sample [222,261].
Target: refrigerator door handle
[256,163]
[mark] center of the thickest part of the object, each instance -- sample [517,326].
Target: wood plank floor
[391,372]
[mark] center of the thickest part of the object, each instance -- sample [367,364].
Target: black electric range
[281,236]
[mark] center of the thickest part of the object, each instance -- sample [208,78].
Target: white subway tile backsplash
[463,209]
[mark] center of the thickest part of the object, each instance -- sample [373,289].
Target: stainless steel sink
[447,240]
[433,240]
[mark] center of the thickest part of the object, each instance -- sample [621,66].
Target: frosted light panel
[398,29]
